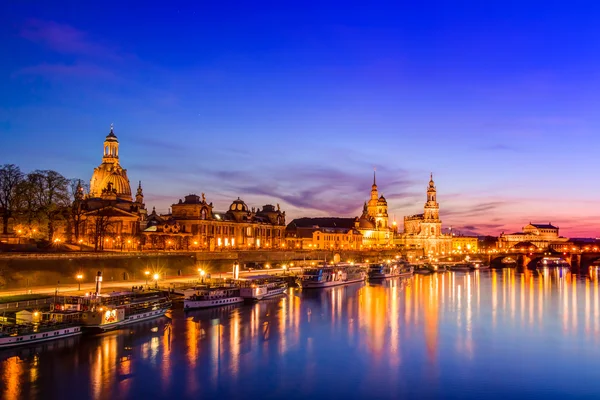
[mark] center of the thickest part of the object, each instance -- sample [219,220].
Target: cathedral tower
[377,207]
[431,226]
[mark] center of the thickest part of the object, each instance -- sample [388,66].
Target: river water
[485,334]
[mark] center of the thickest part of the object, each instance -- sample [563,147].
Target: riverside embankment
[27,270]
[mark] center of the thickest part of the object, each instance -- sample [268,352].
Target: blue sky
[296,103]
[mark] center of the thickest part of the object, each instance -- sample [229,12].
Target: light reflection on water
[490,333]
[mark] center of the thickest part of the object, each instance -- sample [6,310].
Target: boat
[478,264]
[39,327]
[204,297]
[260,287]
[553,262]
[460,267]
[114,310]
[388,270]
[331,275]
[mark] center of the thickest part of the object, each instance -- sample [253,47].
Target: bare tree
[77,191]
[100,227]
[51,196]
[10,178]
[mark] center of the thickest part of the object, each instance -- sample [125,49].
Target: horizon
[297,106]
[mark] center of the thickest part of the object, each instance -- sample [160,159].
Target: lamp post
[156,276]
[147,273]
[79,278]
[202,273]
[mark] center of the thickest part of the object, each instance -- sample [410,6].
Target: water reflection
[424,336]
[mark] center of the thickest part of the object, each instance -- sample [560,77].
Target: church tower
[377,207]
[372,204]
[431,226]
[111,148]
[139,196]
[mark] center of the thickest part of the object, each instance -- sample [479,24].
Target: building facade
[373,223]
[324,234]
[533,237]
[109,218]
[465,244]
[194,225]
[424,231]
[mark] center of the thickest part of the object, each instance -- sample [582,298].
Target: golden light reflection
[103,365]
[11,378]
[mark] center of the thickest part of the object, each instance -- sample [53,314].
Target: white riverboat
[331,275]
[40,327]
[260,287]
[389,270]
[205,297]
[115,310]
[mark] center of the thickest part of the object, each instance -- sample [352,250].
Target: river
[485,334]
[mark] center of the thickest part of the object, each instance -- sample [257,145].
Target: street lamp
[202,273]
[79,278]
[147,273]
[156,276]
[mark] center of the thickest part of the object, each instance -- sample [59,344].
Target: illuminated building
[373,223]
[323,233]
[424,231]
[534,236]
[193,224]
[367,231]
[108,211]
[464,244]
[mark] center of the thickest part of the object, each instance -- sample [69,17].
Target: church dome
[238,205]
[364,223]
[119,183]
[382,200]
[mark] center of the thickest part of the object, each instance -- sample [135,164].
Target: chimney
[98,283]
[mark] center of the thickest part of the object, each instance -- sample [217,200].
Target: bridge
[577,260]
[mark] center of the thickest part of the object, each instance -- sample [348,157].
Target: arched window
[203,213]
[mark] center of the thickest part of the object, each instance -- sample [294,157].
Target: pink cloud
[65,39]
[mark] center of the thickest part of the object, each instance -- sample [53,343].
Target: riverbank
[24,271]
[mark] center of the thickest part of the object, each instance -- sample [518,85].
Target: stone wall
[24,270]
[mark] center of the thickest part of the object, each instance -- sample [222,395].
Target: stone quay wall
[26,270]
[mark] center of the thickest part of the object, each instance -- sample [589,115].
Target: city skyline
[275,105]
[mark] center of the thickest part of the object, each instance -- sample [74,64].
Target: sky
[297,102]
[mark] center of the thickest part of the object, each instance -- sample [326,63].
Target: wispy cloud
[66,39]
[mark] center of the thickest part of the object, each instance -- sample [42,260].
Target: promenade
[73,289]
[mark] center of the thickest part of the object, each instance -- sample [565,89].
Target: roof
[322,222]
[524,245]
[544,226]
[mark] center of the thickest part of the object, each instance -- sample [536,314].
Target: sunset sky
[296,105]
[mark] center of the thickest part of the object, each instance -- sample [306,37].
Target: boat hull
[386,276]
[320,285]
[131,319]
[195,304]
[39,337]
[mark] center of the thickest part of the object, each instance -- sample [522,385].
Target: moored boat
[260,287]
[331,275]
[41,327]
[460,267]
[114,310]
[478,264]
[204,297]
[388,270]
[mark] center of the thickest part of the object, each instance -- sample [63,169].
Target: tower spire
[374,170]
